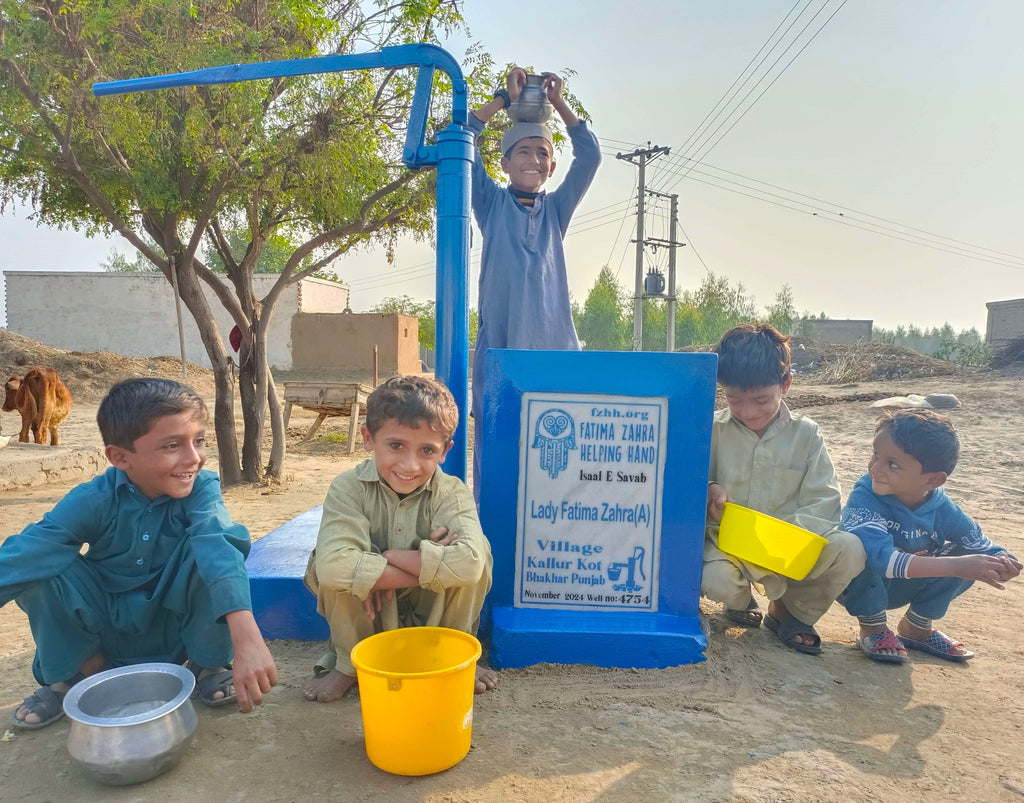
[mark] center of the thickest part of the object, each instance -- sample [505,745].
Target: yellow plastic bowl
[776,545]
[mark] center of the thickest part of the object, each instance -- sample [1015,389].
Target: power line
[707,149]
[681,150]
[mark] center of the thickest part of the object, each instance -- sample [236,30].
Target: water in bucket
[416,693]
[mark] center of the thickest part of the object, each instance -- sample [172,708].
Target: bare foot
[332,686]
[486,679]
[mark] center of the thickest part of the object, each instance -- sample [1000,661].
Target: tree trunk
[277,447]
[253,406]
[224,406]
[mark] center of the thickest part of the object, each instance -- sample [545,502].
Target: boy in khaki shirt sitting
[768,459]
[400,543]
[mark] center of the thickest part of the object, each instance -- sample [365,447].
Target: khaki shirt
[785,473]
[363,517]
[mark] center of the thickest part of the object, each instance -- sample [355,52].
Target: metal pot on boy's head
[532,105]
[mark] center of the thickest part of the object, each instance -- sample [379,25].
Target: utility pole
[672,244]
[640,157]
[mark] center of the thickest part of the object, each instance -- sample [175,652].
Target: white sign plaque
[591,473]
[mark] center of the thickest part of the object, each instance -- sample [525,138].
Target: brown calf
[43,401]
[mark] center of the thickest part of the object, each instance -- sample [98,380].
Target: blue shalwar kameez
[154,585]
[524,290]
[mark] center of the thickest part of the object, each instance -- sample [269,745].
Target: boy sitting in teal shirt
[164,576]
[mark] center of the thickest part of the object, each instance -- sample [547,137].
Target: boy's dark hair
[925,435]
[753,355]
[410,400]
[130,407]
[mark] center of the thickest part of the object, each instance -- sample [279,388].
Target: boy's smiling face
[529,164]
[756,408]
[406,457]
[893,472]
[166,459]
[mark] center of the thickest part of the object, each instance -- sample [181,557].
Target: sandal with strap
[873,644]
[750,616]
[208,685]
[789,628]
[940,645]
[46,703]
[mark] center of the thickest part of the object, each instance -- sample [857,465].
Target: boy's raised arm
[554,86]
[514,83]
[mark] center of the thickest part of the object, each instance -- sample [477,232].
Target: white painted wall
[1005,321]
[133,313]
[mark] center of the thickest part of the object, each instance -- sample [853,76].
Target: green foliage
[965,348]
[273,257]
[313,161]
[782,312]
[604,323]
[711,310]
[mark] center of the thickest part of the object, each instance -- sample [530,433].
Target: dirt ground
[754,722]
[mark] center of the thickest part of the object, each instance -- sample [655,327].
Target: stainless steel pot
[131,723]
[532,105]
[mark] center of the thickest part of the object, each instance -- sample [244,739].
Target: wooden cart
[327,399]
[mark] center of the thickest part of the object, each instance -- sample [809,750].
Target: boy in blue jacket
[922,550]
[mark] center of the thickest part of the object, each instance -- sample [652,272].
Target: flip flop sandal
[750,616]
[940,645]
[791,627]
[208,685]
[46,704]
[871,645]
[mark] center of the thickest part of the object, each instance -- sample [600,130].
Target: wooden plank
[353,422]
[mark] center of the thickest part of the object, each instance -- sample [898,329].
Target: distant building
[849,331]
[1005,322]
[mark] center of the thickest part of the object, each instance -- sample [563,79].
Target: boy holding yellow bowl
[771,460]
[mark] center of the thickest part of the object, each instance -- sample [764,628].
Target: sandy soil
[755,722]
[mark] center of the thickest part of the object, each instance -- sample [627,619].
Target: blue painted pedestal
[282,605]
[552,407]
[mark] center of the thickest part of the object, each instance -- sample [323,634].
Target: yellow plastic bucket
[765,541]
[416,692]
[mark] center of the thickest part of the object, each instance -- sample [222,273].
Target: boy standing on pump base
[164,577]
[400,544]
[922,550]
[765,458]
[524,290]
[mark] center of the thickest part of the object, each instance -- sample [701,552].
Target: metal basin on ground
[131,723]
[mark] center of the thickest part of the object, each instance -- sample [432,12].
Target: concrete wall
[837,331]
[134,314]
[1005,321]
[342,344]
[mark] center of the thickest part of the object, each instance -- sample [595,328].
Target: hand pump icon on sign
[633,566]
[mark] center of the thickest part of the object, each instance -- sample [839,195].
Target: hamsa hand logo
[554,437]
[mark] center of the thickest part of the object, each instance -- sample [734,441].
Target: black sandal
[789,628]
[209,685]
[46,703]
[750,616]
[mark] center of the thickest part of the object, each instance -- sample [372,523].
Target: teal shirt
[134,541]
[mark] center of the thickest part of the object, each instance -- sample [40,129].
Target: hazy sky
[877,176]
